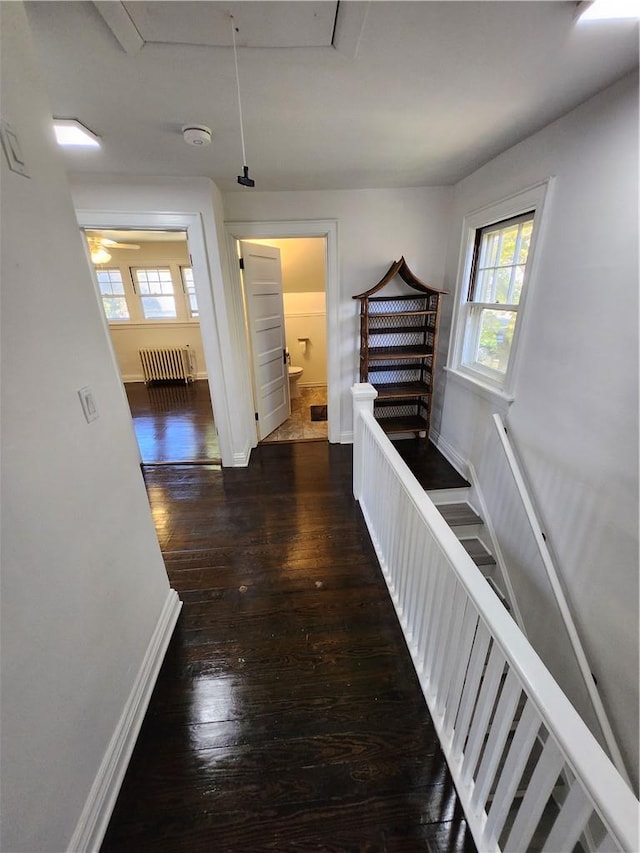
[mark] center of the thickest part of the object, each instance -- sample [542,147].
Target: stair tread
[458,514]
[478,553]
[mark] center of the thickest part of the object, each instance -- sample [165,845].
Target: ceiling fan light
[99,255]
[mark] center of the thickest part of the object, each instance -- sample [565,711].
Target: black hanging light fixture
[244,179]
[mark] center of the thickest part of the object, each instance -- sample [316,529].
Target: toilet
[294,375]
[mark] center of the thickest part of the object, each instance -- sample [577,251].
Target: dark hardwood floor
[173,422]
[287,715]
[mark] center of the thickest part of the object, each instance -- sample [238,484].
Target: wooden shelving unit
[398,344]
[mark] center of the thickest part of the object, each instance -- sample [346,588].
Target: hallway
[287,715]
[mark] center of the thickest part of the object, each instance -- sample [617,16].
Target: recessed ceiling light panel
[609,10]
[70,133]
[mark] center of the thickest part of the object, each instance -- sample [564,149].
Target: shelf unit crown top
[399,268]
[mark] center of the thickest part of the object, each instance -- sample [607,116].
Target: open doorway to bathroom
[303,264]
[146,286]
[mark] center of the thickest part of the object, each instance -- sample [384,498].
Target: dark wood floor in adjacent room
[287,715]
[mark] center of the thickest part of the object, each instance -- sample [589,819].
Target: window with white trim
[498,249]
[112,291]
[154,287]
[189,288]
[498,269]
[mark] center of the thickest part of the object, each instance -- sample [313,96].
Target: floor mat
[318,413]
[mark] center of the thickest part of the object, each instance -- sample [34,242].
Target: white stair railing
[528,771]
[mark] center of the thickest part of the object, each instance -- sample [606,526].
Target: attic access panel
[260,24]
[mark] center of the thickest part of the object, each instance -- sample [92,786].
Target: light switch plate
[12,149]
[88,403]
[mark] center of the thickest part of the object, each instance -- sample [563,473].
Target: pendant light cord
[235,57]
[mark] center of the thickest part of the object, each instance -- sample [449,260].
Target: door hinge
[241,263]
[284,356]
[256,416]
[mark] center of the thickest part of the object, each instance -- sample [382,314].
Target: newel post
[363,396]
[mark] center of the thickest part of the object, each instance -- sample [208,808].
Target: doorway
[303,275]
[146,287]
[279,231]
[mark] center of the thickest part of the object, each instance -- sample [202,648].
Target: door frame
[327,228]
[191,223]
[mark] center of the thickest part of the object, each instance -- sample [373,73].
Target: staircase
[465,522]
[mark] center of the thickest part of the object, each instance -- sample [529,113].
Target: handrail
[561,600]
[482,680]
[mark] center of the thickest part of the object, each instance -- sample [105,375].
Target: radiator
[163,365]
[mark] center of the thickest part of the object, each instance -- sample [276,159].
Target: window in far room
[113,296]
[155,289]
[189,288]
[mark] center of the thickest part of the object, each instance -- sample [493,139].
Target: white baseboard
[346,437]
[92,826]
[450,453]
[311,384]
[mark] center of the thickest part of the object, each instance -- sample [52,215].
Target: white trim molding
[91,827]
[534,198]
[205,286]
[327,228]
[450,453]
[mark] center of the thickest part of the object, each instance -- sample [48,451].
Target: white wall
[83,582]
[223,346]
[375,227]
[575,415]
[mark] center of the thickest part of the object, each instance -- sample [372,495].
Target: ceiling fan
[99,247]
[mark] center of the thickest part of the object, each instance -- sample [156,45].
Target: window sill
[145,324]
[494,395]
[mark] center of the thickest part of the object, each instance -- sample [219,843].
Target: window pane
[110,281]
[156,284]
[527,230]
[115,307]
[490,338]
[190,290]
[501,262]
[503,279]
[158,307]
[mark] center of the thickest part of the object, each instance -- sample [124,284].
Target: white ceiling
[408,94]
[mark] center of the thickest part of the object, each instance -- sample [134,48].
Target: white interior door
[262,279]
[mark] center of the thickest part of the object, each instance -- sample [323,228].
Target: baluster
[471,687]
[406,538]
[607,845]
[440,622]
[409,571]
[417,579]
[453,604]
[512,770]
[500,727]
[571,822]
[396,523]
[460,670]
[539,790]
[427,637]
[449,664]
[420,583]
[483,711]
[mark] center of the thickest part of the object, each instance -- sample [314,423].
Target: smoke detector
[196,134]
